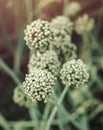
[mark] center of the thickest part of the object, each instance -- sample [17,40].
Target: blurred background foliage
[14,15]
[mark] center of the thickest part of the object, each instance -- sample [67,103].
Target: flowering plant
[56,83]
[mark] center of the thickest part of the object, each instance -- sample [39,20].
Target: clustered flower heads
[62,43]
[84,24]
[38,85]
[51,46]
[39,35]
[72,8]
[46,61]
[21,98]
[74,72]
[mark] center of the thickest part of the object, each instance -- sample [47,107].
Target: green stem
[34,113]
[48,124]
[18,54]
[45,115]
[46,111]
[70,98]
[4,123]
[9,72]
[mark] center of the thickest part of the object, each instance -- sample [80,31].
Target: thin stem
[4,123]
[70,98]
[9,72]
[45,115]
[18,54]
[65,4]
[48,124]
[34,113]
[46,111]
[97,110]
[28,4]
[20,124]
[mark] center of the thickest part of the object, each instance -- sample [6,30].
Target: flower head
[39,35]
[61,36]
[46,61]
[72,8]
[21,98]
[62,24]
[63,28]
[83,24]
[74,72]
[39,84]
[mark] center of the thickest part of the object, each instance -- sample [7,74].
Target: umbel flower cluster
[46,61]
[63,45]
[63,24]
[53,56]
[21,98]
[74,72]
[39,35]
[83,24]
[39,84]
[72,8]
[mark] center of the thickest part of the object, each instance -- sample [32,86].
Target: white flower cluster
[61,36]
[38,85]
[51,46]
[46,61]
[62,26]
[72,8]
[39,35]
[21,98]
[62,43]
[84,24]
[74,72]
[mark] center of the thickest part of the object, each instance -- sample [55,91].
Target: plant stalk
[48,124]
